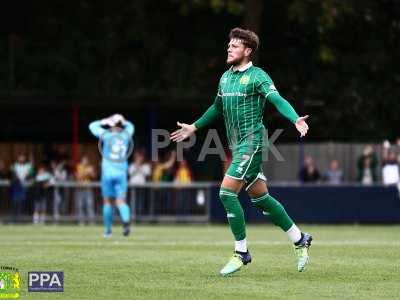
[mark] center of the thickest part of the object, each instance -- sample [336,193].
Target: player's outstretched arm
[288,111]
[267,88]
[184,132]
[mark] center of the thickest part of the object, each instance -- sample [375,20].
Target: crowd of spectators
[368,167]
[45,181]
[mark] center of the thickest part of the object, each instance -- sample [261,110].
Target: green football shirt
[241,99]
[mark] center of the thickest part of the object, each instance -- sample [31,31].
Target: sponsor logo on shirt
[245,79]
[233,94]
[272,87]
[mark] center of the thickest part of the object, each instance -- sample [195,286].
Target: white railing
[149,202]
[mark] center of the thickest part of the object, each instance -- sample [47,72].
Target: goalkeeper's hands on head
[116,118]
[107,122]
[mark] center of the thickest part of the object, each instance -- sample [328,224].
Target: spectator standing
[163,171]
[42,185]
[390,165]
[334,175]
[183,173]
[309,173]
[392,147]
[21,173]
[60,175]
[138,171]
[367,165]
[85,173]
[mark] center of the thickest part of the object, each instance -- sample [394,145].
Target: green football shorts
[246,165]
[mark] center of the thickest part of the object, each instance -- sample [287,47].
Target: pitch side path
[182,262]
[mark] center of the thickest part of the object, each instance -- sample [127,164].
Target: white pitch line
[133,243]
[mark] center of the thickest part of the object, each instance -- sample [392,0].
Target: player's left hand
[301,125]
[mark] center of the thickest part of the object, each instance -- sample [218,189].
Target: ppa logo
[45,281]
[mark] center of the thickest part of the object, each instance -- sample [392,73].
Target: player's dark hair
[249,38]
[119,124]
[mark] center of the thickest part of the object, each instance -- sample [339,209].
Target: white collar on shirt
[244,68]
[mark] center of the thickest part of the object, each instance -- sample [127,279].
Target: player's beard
[236,62]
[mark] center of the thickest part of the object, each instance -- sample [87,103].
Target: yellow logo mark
[10,283]
[245,79]
[16,281]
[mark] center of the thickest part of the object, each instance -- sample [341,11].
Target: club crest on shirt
[245,79]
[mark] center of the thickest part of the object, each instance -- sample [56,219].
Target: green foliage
[341,57]
[187,7]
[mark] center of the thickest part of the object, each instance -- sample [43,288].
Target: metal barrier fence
[198,202]
[82,202]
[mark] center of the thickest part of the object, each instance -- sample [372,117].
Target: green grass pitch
[183,261]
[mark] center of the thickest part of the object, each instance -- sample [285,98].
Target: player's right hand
[184,132]
[117,118]
[107,122]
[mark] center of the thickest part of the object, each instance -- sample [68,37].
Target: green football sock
[270,206]
[234,213]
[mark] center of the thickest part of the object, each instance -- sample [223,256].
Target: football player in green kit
[243,91]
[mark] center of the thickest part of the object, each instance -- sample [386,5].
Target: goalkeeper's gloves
[118,118]
[107,122]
